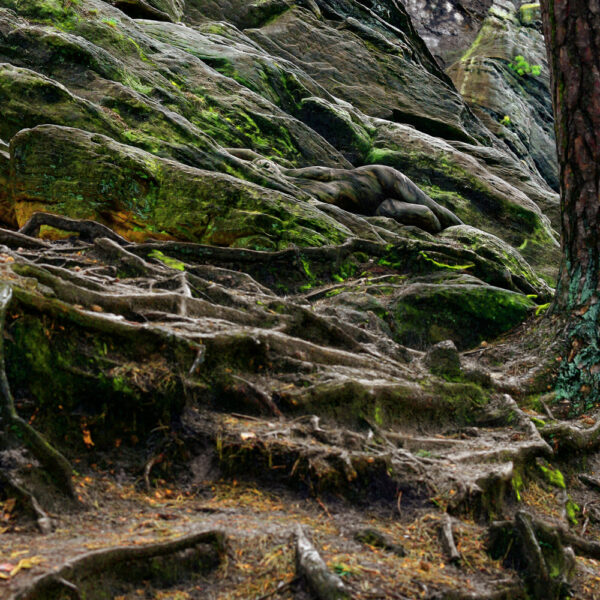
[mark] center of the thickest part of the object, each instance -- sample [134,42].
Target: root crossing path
[228,423]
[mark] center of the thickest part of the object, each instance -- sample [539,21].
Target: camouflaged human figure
[370,190]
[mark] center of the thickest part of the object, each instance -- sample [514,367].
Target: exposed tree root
[30,502]
[567,437]
[549,564]
[131,562]
[447,539]
[257,262]
[346,412]
[87,230]
[53,461]
[545,551]
[309,564]
[592,482]
[132,304]
[14,239]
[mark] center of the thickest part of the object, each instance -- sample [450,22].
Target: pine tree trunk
[572,32]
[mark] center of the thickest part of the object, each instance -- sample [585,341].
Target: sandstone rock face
[192,121]
[310,221]
[448,27]
[509,94]
[355,47]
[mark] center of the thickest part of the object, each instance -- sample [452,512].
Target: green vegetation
[521,67]
[444,265]
[167,260]
[552,476]
[517,484]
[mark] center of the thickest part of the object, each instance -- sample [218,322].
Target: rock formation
[242,226]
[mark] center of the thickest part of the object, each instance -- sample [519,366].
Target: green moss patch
[466,314]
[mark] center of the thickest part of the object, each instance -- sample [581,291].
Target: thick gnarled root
[101,573]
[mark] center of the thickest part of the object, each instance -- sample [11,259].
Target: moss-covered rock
[151,90]
[85,175]
[464,184]
[165,90]
[57,12]
[530,14]
[29,99]
[364,63]
[489,246]
[443,359]
[462,311]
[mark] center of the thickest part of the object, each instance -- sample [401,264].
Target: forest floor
[284,414]
[260,526]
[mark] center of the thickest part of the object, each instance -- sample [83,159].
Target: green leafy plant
[505,120]
[343,569]
[521,67]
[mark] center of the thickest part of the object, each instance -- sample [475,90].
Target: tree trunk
[572,32]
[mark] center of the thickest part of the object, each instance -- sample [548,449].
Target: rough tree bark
[572,32]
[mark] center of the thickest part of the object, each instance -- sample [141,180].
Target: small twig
[547,410]
[447,539]
[309,564]
[282,586]
[148,468]
[198,360]
[249,417]
[69,589]
[399,503]
[320,502]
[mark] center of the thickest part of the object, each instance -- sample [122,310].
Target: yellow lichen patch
[24,210]
[52,233]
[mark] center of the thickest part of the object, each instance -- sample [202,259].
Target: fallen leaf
[9,505]
[24,563]
[87,436]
